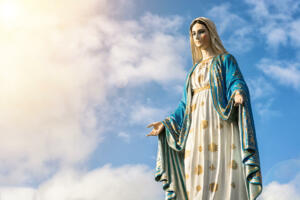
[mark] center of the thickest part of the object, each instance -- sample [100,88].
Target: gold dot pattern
[212,167]
[233,185]
[202,103]
[200,148]
[233,164]
[213,187]
[187,176]
[212,147]
[198,188]
[233,146]
[198,170]
[220,126]
[204,124]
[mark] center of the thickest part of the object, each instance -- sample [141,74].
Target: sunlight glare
[9,13]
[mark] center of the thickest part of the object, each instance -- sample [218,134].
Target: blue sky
[90,77]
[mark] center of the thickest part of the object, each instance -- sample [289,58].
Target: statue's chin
[199,45]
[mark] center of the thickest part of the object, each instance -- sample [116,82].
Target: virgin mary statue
[207,147]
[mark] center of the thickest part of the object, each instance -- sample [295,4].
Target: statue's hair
[215,41]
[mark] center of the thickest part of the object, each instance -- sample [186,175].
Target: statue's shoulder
[227,59]
[226,56]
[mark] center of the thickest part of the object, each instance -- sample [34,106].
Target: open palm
[157,128]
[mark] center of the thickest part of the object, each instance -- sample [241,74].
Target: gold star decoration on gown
[200,148]
[233,164]
[202,103]
[204,124]
[212,147]
[193,107]
[258,173]
[186,176]
[233,185]
[220,126]
[198,188]
[187,153]
[233,146]
[212,167]
[198,170]
[213,187]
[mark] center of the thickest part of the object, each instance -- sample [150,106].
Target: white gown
[212,161]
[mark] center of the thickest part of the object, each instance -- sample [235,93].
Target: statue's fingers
[241,101]
[236,103]
[152,133]
[149,134]
[150,125]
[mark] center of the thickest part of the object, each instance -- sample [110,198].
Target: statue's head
[200,35]
[203,35]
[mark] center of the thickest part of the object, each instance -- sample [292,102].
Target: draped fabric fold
[225,80]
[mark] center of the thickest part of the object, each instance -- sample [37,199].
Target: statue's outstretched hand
[158,127]
[238,99]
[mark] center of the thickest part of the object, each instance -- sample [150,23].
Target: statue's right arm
[176,116]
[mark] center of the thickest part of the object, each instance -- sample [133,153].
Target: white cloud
[284,179]
[262,96]
[260,88]
[272,19]
[276,21]
[283,171]
[284,72]
[273,10]
[130,182]
[124,136]
[224,23]
[265,109]
[295,32]
[145,51]
[16,193]
[275,35]
[49,84]
[144,114]
[260,8]
[60,63]
[277,191]
[234,28]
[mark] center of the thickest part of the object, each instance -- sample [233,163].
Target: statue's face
[200,36]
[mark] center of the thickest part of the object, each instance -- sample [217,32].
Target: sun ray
[9,13]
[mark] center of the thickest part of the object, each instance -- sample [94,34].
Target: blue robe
[225,80]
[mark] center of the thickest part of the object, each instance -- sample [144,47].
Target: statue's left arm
[250,156]
[235,82]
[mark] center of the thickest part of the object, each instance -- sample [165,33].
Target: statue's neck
[208,52]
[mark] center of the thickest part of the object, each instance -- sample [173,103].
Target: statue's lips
[198,43]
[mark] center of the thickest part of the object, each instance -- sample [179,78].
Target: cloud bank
[128,182]
[60,62]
